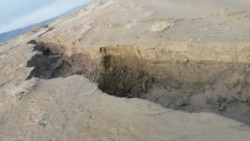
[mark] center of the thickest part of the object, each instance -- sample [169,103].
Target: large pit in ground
[176,76]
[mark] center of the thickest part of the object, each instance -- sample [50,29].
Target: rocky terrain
[121,70]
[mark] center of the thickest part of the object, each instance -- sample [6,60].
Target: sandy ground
[189,58]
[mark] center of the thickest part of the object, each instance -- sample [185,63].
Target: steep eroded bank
[194,81]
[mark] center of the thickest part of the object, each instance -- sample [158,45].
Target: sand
[131,70]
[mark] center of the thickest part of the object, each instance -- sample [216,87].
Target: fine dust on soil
[182,64]
[120,72]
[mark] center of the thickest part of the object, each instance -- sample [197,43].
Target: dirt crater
[112,74]
[172,79]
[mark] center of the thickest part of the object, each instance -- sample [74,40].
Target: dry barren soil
[162,70]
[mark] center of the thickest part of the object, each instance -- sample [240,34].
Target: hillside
[131,70]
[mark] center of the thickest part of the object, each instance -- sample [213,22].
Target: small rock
[33,42]
[180,103]
[222,107]
[161,26]
[244,98]
[230,100]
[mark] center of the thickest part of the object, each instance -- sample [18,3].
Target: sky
[16,14]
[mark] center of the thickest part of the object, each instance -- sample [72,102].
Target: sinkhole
[176,77]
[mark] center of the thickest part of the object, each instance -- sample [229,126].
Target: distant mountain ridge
[15,33]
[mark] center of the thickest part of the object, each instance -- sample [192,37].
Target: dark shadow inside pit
[219,94]
[121,79]
[125,82]
[48,64]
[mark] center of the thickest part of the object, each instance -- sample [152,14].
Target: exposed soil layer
[51,62]
[170,78]
[113,75]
